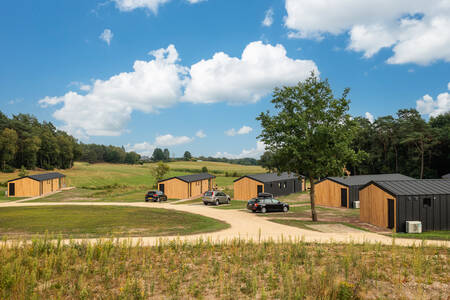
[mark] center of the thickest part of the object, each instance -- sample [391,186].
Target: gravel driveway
[245,225]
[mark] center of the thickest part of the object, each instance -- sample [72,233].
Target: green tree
[166,154]
[204,169]
[311,132]
[159,171]
[23,172]
[158,155]
[8,146]
[187,156]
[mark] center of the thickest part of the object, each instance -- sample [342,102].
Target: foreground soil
[232,270]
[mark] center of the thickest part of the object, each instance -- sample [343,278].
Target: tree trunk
[313,200]
[396,159]
[421,160]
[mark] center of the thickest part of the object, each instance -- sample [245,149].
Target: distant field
[101,221]
[128,183]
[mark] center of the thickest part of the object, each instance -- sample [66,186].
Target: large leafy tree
[159,171]
[187,156]
[310,133]
[8,146]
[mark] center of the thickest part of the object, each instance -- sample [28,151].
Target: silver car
[215,197]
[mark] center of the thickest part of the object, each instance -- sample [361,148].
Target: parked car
[266,205]
[155,196]
[215,197]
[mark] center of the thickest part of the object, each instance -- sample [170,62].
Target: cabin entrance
[344,197]
[391,219]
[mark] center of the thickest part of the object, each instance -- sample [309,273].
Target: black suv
[155,196]
[266,204]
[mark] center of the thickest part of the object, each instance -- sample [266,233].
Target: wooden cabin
[344,191]
[36,185]
[249,186]
[187,186]
[390,204]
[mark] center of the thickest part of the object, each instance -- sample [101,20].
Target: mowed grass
[101,221]
[233,270]
[428,235]
[306,224]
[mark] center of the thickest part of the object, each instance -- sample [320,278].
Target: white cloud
[243,130]
[200,134]
[433,108]
[195,1]
[170,140]
[417,31]
[251,153]
[129,5]
[268,19]
[162,82]
[105,110]
[247,79]
[107,36]
[81,86]
[141,148]
[369,117]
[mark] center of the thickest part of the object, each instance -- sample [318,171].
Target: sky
[194,75]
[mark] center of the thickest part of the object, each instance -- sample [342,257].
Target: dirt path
[244,225]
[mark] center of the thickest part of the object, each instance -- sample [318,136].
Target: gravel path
[244,225]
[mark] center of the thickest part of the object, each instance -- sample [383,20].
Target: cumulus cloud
[255,152]
[243,130]
[369,117]
[106,108]
[200,134]
[129,5]
[141,148]
[170,140]
[268,19]
[162,82]
[433,108]
[247,79]
[417,31]
[107,36]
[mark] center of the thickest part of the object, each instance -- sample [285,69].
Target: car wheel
[263,210]
[228,201]
[146,200]
[217,203]
[285,208]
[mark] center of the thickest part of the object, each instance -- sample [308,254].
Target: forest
[24,141]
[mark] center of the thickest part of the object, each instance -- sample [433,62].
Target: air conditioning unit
[413,227]
[355,204]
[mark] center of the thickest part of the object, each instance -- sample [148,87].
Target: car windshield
[151,192]
[208,194]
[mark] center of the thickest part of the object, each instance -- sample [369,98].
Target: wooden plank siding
[25,187]
[374,206]
[246,188]
[328,193]
[178,189]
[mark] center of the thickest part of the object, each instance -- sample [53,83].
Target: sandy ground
[244,225]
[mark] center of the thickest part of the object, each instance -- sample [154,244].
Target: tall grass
[234,270]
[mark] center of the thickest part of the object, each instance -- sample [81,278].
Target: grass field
[428,235]
[101,221]
[236,270]
[305,224]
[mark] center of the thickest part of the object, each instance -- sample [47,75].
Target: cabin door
[12,189]
[344,197]
[259,189]
[161,187]
[391,220]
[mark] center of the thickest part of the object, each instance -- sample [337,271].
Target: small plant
[23,172]
[204,170]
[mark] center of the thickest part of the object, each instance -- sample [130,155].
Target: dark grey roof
[446,176]
[271,177]
[192,177]
[364,179]
[42,177]
[415,187]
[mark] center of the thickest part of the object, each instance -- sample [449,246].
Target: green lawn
[428,235]
[304,224]
[102,221]
[192,201]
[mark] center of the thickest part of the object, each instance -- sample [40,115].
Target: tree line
[24,141]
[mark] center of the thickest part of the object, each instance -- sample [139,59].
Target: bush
[204,170]
[8,169]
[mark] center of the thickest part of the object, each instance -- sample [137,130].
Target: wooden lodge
[390,204]
[36,185]
[344,191]
[187,186]
[249,186]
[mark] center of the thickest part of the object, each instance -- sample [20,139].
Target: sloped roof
[192,177]
[270,177]
[446,176]
[415,187]
[42,177]
[364,179]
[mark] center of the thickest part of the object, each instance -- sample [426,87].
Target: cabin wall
[328,193]
[175,188]
[283,187]
[434,217]
[25,187]
[374,206]
[246,188]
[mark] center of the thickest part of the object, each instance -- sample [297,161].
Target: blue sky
[183,74]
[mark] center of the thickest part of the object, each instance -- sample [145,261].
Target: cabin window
[426,202]
[284,185]
[279,185]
